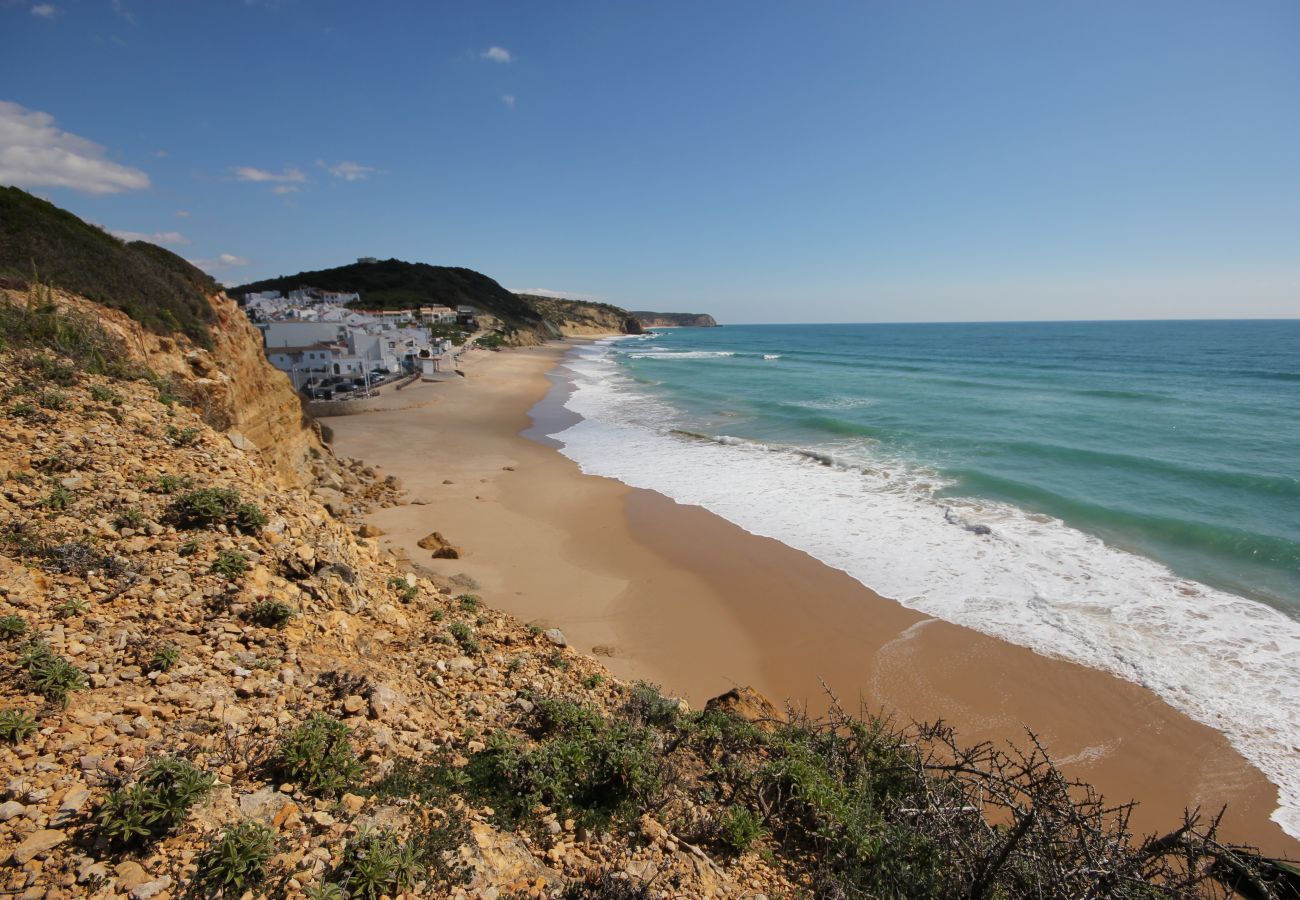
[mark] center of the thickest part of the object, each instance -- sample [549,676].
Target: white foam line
[1228,662]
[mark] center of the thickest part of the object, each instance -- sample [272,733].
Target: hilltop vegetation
[394,284]
[154,286]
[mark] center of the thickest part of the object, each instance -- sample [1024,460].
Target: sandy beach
[682,598]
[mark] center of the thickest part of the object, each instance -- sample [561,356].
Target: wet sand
[677,596]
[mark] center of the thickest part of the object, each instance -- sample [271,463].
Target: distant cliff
[674,320]
[581,317]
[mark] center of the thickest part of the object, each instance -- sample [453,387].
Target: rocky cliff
[674,320]
[232,385]
[580,318]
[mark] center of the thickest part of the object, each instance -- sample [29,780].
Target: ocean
[1122,494]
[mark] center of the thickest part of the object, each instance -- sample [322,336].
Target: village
[333,351]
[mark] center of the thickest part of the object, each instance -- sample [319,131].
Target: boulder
[441,547]
[748,704]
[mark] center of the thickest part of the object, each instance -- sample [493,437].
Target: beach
[680,597]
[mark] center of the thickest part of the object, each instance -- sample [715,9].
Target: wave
[681,354]
[1226,661]
[771,356]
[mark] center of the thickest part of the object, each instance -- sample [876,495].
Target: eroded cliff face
[674,320]
[233,386]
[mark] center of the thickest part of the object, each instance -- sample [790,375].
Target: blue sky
[867,161]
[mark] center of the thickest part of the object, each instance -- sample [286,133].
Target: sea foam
[1228,662]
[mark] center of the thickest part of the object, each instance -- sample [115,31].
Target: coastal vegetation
[39,241]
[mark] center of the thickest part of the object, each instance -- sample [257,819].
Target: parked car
[322,392]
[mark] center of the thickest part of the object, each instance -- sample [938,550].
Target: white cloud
[183,213]
[497,54]
[350,171]
[222,261]
[282,189]
[165,238]
[508,100]
[33,152]
[248,173]
[120,8]
[45,10]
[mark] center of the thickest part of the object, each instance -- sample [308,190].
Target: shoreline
[678,596]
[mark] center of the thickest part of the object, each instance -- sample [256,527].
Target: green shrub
[557,660]
[72,608]
[101,394]
[236,861]
[182,437]
[164,658]
[406,592]
[59,497]
[593,681]
[318,757]
[170,484]
[378,864]
[231,564]
[16,725]
[326,890]
[464,636]
[216,506]
[740,827]
[23,409]
[49,674]
[190,547]
[647,706]
[468,602]
[606,884]
[583,766]
[51,399]
[155,804]
[249,518]
[271,613]
[12,626]
[131,517]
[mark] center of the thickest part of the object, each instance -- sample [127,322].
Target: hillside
[153,286]
[674,320]
[216,682]
[394,284]
[582,317]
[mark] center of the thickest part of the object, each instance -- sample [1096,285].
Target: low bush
[406,592]
[16,725]
[740,827]
[464,636]
[12,626]
[230,564]
[163,658]
[378,863]
[236,861]
[209,507]
[271,613]
[646,706]
[49,674]
[318,757]
[155,804]
[130,517]
[468,602]
[72,608]
[58,498]
[582,766]
[170,484]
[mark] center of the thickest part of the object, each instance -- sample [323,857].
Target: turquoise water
[1124,495]
[1176,440]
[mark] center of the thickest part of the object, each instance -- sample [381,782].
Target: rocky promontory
[674,320]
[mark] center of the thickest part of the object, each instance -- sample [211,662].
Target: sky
[764,162]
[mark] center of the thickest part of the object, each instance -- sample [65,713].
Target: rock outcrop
[674,320]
